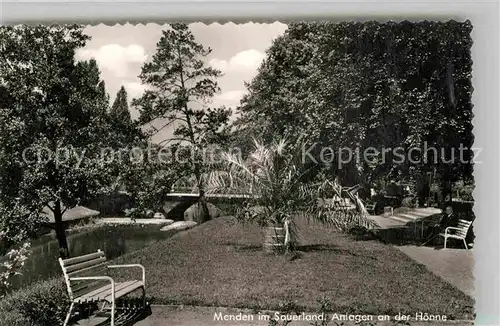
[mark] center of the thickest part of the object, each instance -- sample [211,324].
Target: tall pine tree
[178,82]
[119,111]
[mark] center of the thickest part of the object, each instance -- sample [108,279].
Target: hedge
[43,303]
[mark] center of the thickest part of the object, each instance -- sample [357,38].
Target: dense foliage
[148,179]
[42,304]
[360,85]
[53,119]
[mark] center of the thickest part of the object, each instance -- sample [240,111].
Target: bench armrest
[84,278]
[450,228]
[131,266]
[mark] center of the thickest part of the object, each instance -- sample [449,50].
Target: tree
[280,188]
[53,121]
[149,180]
[126,133]
[119,111]
[180,86]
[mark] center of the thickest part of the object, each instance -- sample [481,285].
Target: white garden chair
[89,289]
[459,232]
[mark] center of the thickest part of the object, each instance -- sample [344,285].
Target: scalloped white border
[485,52]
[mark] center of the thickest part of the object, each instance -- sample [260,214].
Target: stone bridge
[177,203]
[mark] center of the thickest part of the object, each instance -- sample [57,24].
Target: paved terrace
[208,316]
[405,217]
[453,265]
[404,224]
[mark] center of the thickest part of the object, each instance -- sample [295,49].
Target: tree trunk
[60,231]
[446,187]
[450,190]
[204,206]
[201,190]
[203,197]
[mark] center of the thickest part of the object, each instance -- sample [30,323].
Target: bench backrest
[370,205]
[73,267]
[463,228]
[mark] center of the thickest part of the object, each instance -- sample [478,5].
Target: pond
[113,240]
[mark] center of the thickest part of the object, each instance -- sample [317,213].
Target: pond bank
[115,240]
[129,221]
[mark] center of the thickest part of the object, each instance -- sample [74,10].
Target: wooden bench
[97,288]
[459,232]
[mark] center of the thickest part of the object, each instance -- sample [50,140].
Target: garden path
[453,265]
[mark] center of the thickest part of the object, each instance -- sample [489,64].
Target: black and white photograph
[193,174]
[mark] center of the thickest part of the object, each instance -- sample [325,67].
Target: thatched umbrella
[70,214]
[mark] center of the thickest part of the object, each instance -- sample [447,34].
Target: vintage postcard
[307,173]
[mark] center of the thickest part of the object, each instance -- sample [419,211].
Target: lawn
[220,263]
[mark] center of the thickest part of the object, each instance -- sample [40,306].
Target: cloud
[230,96]
[248,60]
[230,99]
[115,58]
[134,90]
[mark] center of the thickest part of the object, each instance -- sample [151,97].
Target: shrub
[362,233]
[41,304]
[464,189]
[13,265]
[408,202]
[14,318]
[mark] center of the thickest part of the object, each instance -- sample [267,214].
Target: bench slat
[77,272]
[75,260]
[80,288]
[463,226]
[461,231]
[86,264]
[104,292]
[95,295]
[132,286]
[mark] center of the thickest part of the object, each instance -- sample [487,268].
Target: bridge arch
[176,213]
[177,203]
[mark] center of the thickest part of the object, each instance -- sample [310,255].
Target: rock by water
[194,213]
[180,225]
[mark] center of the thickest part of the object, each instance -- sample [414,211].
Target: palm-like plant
[279,188]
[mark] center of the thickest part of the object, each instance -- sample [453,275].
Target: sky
[121,50]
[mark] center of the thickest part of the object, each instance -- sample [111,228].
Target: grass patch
[220,263]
